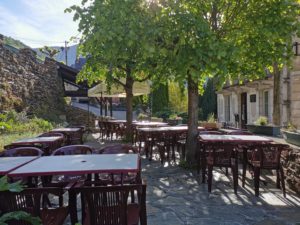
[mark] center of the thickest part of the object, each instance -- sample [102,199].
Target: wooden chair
[22,151]
[64,180]
[109,205]
[57,144]
[29,200]
[240,132]
[73,150]
[223,155]
[78,136]
[266,157]
[128,178]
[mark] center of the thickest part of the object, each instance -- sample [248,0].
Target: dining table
[49,143]
[239,140]
[79,165]
[8,164]
[73,134]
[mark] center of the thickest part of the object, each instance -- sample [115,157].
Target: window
[227,108]
[266,103]
[253,98]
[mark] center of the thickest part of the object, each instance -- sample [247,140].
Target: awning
[117,90]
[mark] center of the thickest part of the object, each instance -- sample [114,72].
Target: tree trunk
[129,106]
[192,142]
[276,95]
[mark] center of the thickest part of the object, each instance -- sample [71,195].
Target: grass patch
[6,139]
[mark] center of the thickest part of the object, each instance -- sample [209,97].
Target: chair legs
[282,178]
[256,180]
[209,177]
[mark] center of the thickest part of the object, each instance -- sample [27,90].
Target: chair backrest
[118,149]
[210,132]
[73,150]
[52,134]
[240,132]
[107,205]
[22,151]
[29,200]
[220,153]
[267,155]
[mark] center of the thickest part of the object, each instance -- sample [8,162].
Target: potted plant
[174,119]
[211,122]
[291,134]
[261,126]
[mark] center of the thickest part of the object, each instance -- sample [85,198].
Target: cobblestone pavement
[175,196]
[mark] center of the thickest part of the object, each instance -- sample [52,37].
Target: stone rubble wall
[76,116]
[291,164]
[29,85]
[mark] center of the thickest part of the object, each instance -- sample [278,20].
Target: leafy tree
[50,52]
[224,39]
[208,101]
[118,39]
[178,98]
[160,98]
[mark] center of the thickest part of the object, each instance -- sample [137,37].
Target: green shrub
[142,116]
[5,127]
[262,121]
[211,118]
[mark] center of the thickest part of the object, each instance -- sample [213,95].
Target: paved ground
[176,197]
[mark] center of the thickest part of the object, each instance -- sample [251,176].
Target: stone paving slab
[175,196]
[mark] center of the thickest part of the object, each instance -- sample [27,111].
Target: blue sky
[38,22]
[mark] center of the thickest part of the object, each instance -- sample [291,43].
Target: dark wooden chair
[78,136]
[128,178]
[22,151]
[29,200]
[266,157]
[64,180]
[73,150]
[240,132]
[223,155]
[110,205]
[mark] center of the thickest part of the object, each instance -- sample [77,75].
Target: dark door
[243,110]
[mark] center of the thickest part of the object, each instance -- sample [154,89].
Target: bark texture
[129,105]
[191,147]
[276,95]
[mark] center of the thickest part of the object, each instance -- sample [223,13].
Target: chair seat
[55,216]
[133,213]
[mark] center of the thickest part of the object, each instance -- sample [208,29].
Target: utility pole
[66,52]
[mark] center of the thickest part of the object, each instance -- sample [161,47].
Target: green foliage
[208,101]
[262,121]
[142,116]
[13,122]
[211,118]
[178,100]
[165,113]
[48,51]
[291,127]
[175,117]
[12,187]
[15,43]
[18,215]
[160,98]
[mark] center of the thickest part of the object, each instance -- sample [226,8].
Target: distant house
[245,103]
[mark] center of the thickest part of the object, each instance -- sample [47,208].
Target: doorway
[243,109]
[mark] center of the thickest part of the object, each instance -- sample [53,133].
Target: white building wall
[221,108]
[252,107]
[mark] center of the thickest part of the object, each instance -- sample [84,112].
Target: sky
[38,22]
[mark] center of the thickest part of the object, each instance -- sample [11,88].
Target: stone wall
[29,85]
[76,116]
[291,163]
